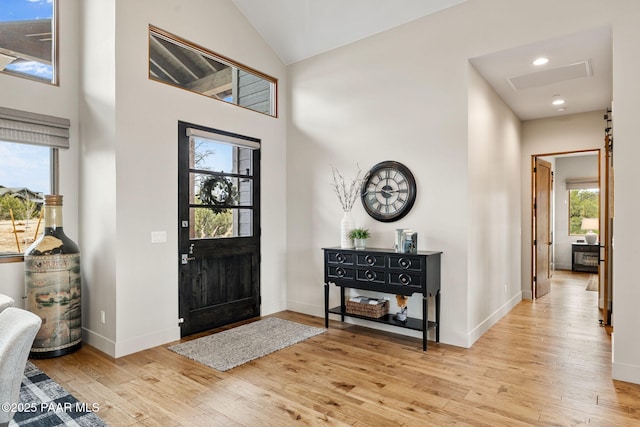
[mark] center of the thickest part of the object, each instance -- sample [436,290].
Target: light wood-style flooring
[546,363]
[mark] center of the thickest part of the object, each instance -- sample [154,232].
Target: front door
[542,227]
[219,227]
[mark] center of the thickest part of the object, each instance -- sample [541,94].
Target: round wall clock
[388,191]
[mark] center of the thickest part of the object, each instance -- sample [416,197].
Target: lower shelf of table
[387,319]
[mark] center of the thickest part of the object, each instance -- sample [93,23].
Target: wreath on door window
[216,191]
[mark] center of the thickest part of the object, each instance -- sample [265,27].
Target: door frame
[601,210]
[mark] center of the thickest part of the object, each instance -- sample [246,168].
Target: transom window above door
[183,64]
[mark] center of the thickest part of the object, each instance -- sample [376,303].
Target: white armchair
[18,329]
[5,301]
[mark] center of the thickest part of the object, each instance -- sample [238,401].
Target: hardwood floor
[547,362]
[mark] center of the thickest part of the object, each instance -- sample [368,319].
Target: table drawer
[413,280]
[339,272]
[370,260]
[405,262]
[338,257]
[370,275]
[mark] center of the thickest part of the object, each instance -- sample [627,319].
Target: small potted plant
[359,236]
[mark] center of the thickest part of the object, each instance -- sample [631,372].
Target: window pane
[24,179]
[212,224]
[212,156]
[220,190]
[583,203]
[180,63]
[27,35]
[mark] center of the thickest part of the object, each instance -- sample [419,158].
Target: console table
[585,257]
[387,271]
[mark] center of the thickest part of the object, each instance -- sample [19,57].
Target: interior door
[543,184]
[219,227]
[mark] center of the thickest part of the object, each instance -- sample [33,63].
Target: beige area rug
[592,285]
[234,347]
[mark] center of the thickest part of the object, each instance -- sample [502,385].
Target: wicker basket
[373,311]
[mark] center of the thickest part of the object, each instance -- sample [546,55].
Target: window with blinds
[29,145]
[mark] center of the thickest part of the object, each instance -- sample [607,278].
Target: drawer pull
[404,263]
[370,259]
[370,275]
[340,258]
[340,272]
[405,279]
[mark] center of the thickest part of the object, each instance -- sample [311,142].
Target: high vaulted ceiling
[299,29]
[579,70]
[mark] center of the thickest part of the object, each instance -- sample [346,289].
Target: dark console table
[389,272]
[585,257]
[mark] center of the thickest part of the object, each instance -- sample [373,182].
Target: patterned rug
[234,347]
[43,402]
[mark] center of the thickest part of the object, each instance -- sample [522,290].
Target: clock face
[388,191]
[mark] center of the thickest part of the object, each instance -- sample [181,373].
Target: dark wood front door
[542,227]
[219,227]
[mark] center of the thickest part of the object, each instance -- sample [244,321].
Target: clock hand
[380,191]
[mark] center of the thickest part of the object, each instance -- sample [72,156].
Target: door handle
[185,259]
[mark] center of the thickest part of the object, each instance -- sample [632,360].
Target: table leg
[438,316]
[343,306]
[326,306]
[425,320]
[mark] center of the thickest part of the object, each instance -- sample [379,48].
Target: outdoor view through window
[27,49]
[24,179]
[27,39]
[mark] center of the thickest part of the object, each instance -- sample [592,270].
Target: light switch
[158,236]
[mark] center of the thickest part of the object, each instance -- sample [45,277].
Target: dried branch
[347,195]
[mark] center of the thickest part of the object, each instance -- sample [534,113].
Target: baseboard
[624,372]
[98,341]
[485,325]
[136,344]
[305,308]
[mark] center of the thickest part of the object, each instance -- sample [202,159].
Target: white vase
[346,225]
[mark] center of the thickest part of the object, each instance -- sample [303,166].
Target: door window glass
[221,185]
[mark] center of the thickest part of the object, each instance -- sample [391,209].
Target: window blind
[581,183]
[227,139]
[31,128]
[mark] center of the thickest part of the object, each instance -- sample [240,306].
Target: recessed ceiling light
[540,61]
[561,109]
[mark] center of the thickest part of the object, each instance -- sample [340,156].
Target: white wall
[97,173]
[402,95]
[585,166]
[626,93]
[494,207]
[133,144]
[574,132]
[365,103]
[59,101]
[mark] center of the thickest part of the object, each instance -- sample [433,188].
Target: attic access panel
[180,63]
